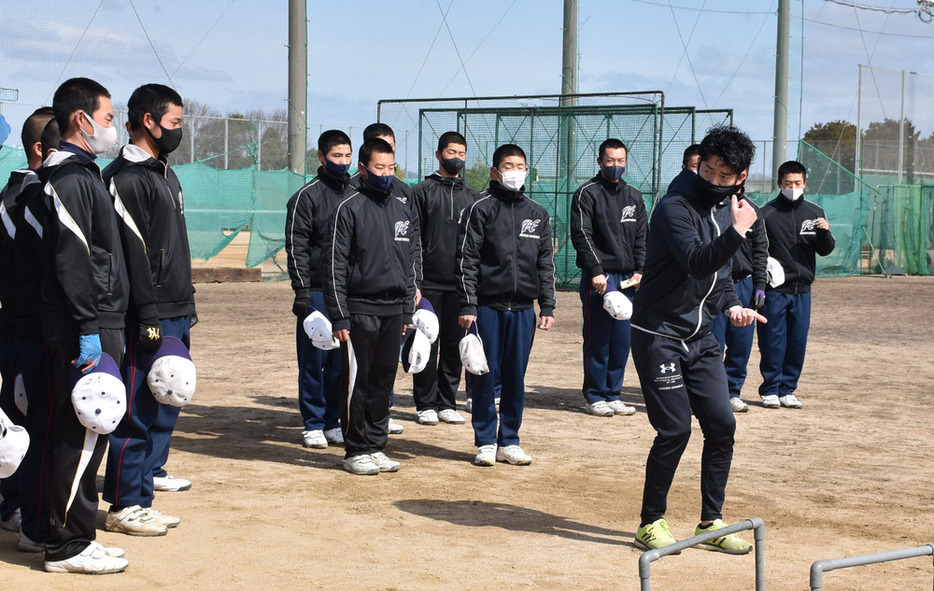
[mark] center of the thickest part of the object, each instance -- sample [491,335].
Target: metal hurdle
[821,566]
[754,523]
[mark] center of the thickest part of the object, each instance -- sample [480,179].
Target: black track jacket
[307,229]
[20,180]
[440,202]
[687,264]
[148,198]
[794,238]
[29,217]
[505,254]
[608,227]
[370,262]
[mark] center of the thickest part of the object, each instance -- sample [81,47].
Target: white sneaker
[315,439]
[600,409]
[513,454]
[168,521]
[13,522]
[134,521]
[621,408]
[770,401]
[27,544]
[452,417]
[427,417]
[384,463]
[170,483]
[395,428]
[362,465]
[738,405]
[789,401]
[334,436]
[486,455]
[93,560]
[111,551]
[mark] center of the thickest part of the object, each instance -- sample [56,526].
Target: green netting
[901,230]
[218,205]
[272,189]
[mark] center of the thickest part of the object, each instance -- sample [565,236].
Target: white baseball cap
[775,272]
[14,441]
[172,377]
[472,355]
[617,305]
[99,397]
[416,349]
[426,320]
[19,394]
[318,328]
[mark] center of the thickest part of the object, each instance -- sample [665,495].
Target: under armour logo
[402,228]
[666,367]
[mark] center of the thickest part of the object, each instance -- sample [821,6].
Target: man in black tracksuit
[307,244]
[83,307]
[608,228]
[686,284]
[28,219]
[797,229]
[749,280]
[505,261]
[440,200]
[148,198]
[370,297]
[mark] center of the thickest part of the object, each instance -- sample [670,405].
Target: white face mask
[513,179]
[792,194]
[103,139]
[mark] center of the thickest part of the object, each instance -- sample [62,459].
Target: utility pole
[780,125]
[567,150]
[298,84]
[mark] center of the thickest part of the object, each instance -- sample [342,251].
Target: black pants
[435,387]
[76,452]
[679,378]
[368,371]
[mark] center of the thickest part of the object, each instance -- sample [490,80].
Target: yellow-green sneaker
[655,535]
[730,543]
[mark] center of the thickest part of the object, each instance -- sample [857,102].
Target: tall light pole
[298,85]
[780,125]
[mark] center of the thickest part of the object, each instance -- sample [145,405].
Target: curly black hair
[731,145]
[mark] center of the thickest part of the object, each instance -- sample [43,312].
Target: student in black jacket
[685,285]
[148,198]
[440,201]
[307,242]
[505,261]
[797,230]
[749,281]
[370,297]
[83,307]
[608,228]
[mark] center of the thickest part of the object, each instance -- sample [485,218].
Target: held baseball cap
[415,351]
[426,320]
[172,377]
[19,394]
[775,272]
[472,356]
[617,305]
[318,329]
[99,397]
[14,441]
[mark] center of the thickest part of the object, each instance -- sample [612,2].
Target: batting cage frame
[561,135]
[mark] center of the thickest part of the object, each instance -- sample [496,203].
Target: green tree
[880,147]
[836,139]
[478,175]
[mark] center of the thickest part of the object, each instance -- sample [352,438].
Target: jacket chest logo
[402,229]
[629,214]
[528,228]
[808,227]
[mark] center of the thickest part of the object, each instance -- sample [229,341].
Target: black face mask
[712,194]
[170,139]
[452,165]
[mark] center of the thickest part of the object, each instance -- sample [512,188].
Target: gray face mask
[792,194]
[103,138]
[513,179]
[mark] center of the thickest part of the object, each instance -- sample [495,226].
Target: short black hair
[792,167]
[451,137]
[505,151]
[375,130]
[370,147]
[690,152]
[611,144]
[731,145]
[76,94]
[51,137]
[33,126]
[331,138]
[153,99]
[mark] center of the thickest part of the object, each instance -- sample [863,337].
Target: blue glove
[89,352]
[759,301]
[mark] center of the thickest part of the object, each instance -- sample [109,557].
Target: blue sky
[232,55]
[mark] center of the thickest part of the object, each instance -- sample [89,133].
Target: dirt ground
[850,474]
